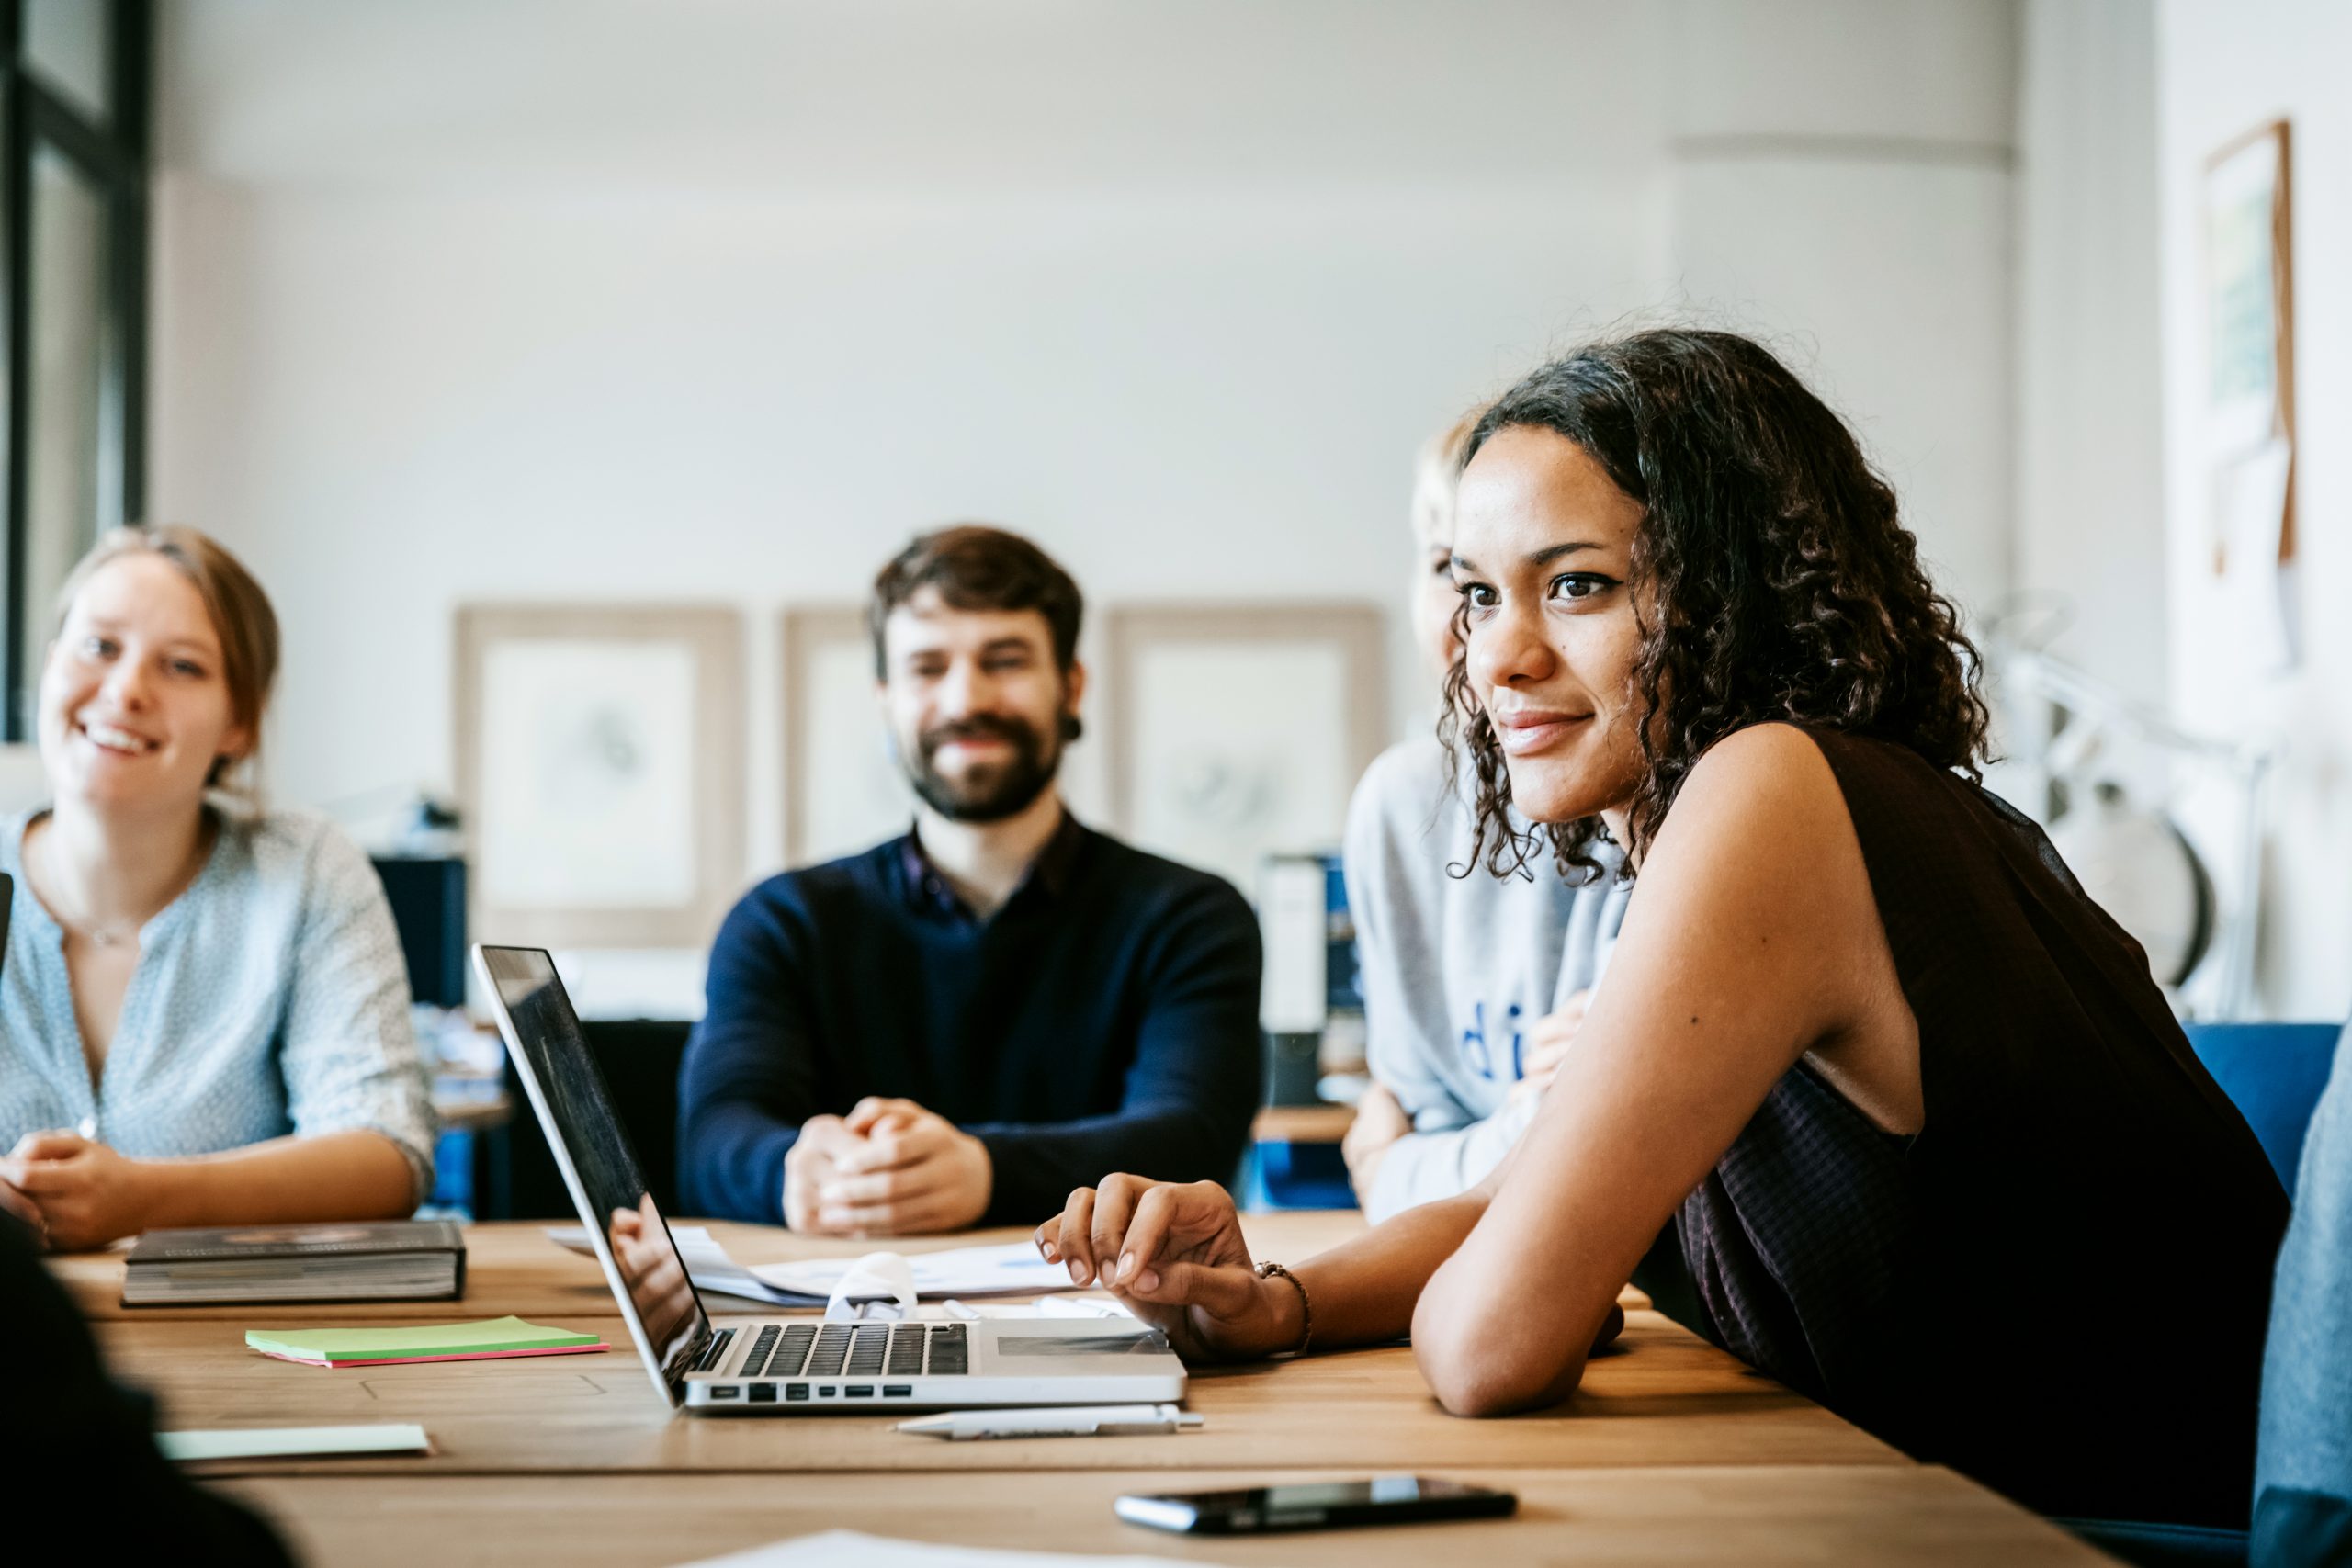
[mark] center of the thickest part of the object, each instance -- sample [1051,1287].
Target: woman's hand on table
[86,1194]
[15,1202]
[1172,1253]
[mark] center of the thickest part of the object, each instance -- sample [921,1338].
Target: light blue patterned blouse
[270,997]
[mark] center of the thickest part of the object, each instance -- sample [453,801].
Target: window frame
[113,156]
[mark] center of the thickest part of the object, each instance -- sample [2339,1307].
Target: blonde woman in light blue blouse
[203,1010]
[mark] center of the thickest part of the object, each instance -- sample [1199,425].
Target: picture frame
[2247,214]
[1237,731]
[842,790]
[2248,218]
[600,767]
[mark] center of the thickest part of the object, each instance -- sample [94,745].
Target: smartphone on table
[1324,1505]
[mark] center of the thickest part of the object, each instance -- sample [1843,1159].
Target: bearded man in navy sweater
[961,1025]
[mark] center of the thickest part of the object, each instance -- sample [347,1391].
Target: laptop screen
[578,1115]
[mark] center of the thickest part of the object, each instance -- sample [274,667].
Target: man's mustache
[979,726]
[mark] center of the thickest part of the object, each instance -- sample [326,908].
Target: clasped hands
[889,1168]
[74,1193]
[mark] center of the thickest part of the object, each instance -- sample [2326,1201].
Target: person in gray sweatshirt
[1473,984]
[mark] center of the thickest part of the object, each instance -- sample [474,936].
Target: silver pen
[1063,1421]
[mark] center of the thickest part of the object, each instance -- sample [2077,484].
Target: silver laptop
[781,1366]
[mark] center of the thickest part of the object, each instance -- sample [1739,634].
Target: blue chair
[1279,1174]
[2273,1073]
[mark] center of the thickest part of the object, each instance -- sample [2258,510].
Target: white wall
[2090,558]
[723,299]
[1180,299]
[2223,67]
[424,400]
[1841,177]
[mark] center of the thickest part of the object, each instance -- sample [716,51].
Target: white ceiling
[817,97]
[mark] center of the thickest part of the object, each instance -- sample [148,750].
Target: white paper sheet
[1079,1306]
[1012,1269]
[853,1549]
[258,1443]
[707,1265]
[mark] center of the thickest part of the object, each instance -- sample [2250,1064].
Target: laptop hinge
[712,1351]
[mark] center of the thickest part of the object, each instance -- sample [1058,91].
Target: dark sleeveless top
[2059,1286]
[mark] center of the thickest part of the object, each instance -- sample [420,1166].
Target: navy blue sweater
[1104,1019]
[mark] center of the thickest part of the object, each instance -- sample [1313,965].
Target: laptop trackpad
[1134,1342]
[1050,1349]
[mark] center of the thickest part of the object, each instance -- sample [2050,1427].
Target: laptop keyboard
[858,1350]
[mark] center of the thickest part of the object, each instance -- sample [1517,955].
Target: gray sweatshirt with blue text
[1455,969]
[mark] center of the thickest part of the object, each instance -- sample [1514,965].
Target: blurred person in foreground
[68,1431]
[961,1025]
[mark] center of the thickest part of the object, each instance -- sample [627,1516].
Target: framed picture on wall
[600,763]
[1238,731]
[843,791]
[2249,423]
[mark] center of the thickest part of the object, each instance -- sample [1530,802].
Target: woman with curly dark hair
[1907,1097]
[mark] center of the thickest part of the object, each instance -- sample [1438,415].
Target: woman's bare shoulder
[1758,853]
[1761,751]
[1766,782]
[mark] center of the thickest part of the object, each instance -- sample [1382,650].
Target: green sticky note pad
[488,1337]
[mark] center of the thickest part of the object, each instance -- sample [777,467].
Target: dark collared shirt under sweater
[1104,1018]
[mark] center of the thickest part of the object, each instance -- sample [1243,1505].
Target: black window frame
[113,156]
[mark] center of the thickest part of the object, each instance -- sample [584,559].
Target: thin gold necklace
[113,933]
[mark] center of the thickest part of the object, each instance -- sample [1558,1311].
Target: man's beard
[992,791]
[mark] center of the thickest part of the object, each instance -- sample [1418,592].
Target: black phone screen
[1323,1505]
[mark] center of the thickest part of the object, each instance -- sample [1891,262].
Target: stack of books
[404,1261]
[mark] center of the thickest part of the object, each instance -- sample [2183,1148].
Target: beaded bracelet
[1305,1306]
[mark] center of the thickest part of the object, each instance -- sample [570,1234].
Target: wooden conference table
[1671,1451]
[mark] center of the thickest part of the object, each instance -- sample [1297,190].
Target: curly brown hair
[1772,578]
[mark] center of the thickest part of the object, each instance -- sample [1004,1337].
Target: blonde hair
[240,612]
[1437,474]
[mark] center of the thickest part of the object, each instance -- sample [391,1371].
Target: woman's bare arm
[334,1175]
[1754,938]
[1364,1291]
[89,1194]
